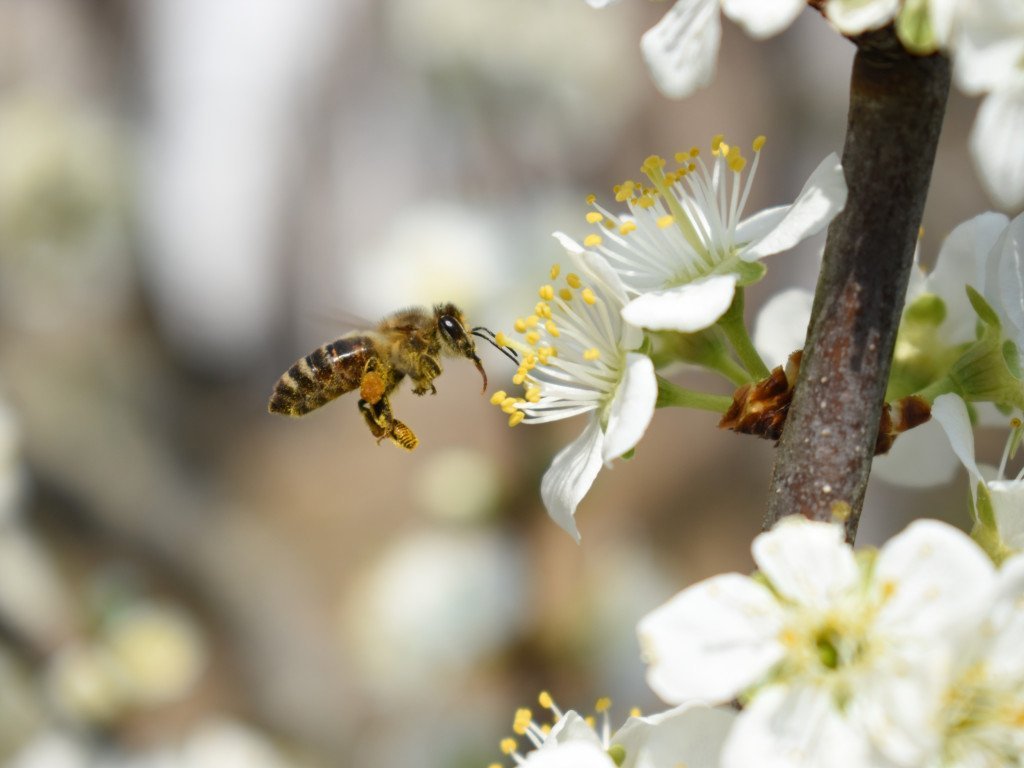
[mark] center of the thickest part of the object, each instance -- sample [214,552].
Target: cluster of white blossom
[985,39]
[905,656]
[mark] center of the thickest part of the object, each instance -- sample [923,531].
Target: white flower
[852,17]
[979,719]
[681,50]
[690,735]
[1005,495]
[579,357]
[990,59]
[817,639]
[683,248]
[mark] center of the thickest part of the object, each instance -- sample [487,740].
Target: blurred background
[194,194]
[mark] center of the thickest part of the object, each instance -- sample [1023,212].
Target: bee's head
[455,340]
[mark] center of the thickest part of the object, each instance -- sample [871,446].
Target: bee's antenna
[488,335]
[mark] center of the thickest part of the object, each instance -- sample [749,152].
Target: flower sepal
[749,272]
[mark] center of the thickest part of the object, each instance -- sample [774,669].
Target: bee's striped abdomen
[322,375]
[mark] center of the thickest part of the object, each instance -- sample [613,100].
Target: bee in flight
[409,342]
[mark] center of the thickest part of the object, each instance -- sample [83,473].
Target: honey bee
[409,342]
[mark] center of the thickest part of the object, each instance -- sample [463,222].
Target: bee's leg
[429,369]
[382,423]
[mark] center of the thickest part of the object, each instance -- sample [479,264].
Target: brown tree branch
[897,102]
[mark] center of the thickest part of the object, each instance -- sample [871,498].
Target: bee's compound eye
[450,327]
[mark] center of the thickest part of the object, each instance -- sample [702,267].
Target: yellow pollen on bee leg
[592,354]
[758,144]
[555,271]
[498,397]
[588,296]
[626,227]
[573,280]
[516,418]
[666,221]
[592,241]
[546,292]
[594,217]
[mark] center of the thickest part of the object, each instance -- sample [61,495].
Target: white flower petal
[570,476]
[690,735]
[781,326]
[685,308]
[574,754]
[761,19]
[961,262]
[920,458]
[632,407]
[822,197]
[601,3]
[951,414]
[572,727]
[855,16]
[1008,508]
[997,149]
[1004,279]
[712,640]
[681,50]
[794,727]
[989,45]
[1004,655]
[934,578]
[806,561]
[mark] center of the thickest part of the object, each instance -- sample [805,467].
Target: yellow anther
[592,354]
[681,157]
[920,233]
[594,216]
[529,362]
[531,321]
[532,337]
[626,227]
[521,722]
[515,418]
[551,328]
[691,168]
[694,151]
[508,402]
[591,199]
[588,296]
[555,271]
[498,397]
[546,292]
[602,704]
[624,191]
[543,309]
[551,351]
[653,162]
[501,339]
[734,159]
[759,143]
[589,720]
[635,712]
[666,221]
[1015,423]
[519,377]
[573,280]
[519,325]
[545,700]
[591,241]
[533,395]
[495,765]
[645,202]
[565,294]
[508,746]
[716,142]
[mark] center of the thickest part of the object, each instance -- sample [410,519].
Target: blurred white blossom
[822,643]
